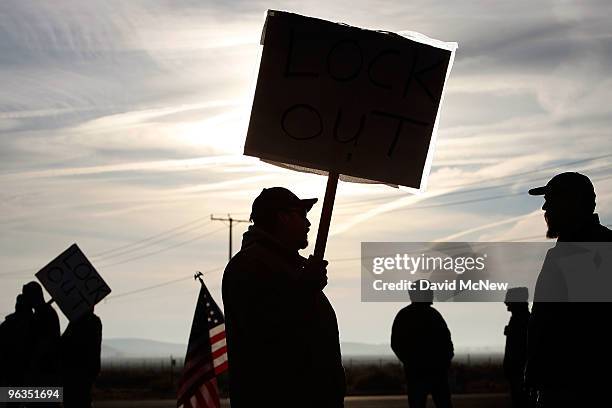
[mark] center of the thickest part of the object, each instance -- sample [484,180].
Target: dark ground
[394,401]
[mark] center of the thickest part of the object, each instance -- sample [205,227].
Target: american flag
[206,355]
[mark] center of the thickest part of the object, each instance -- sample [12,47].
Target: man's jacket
[421,341]
[282,332]
[515,352]
[569,343]
[80,356]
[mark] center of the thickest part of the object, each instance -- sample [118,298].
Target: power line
[159,285]
[375,199]
[161,250]
[123,250]
[150,243]
[556,166]
[539,236]
[146,288]
[474,200]
[231,221]
[514,239]
[27,272]
[420,207]
[390,211]
[172,281]
[153,237]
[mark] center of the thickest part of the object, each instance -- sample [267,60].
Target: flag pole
[326,214]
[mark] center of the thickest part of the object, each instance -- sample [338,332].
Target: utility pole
[231,221]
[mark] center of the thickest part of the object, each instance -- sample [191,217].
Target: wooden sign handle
[326,214]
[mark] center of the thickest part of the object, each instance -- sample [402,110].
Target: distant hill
[130,348]
[367,350]
[144,348]
[140,348]
[111,352]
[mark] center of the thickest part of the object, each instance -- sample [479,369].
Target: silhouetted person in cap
[80,359]
[569,342]
[282,332]
[14,341]
[515,355]
[45,332]
[422,342]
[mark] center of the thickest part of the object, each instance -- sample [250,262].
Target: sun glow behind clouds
[223,133]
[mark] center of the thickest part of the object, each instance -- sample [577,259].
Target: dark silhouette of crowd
[551,353]
[279,321]
[34,354]
[557,355]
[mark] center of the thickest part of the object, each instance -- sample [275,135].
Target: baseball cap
[569,183]
[279,198]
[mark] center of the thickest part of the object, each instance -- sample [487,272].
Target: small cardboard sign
[332,97]
[73,283]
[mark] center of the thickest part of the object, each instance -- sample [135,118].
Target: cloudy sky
[122,125]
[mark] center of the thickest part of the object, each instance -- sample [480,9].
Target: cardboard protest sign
[341,99]
[73,283]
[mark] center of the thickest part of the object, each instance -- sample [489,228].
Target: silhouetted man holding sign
[76,287]
[282,332]
[569,341]
[422,342]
